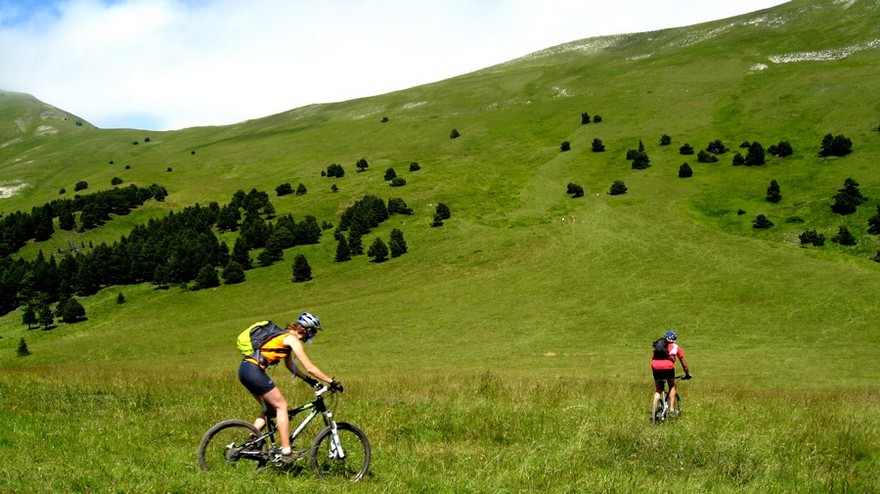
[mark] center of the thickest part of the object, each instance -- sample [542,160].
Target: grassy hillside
[507,349]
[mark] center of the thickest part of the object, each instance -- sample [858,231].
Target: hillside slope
[505,282]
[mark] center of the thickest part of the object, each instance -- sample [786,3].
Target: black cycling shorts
[254,378]
[664,374]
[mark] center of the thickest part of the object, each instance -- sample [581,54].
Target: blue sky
[171,64]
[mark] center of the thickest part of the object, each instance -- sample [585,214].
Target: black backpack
[661,349]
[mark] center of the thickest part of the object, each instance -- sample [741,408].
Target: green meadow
[508,350]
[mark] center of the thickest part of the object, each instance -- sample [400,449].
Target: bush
[378,251]
[362,164]
[812,237]
[755,154]
[23,350]
[874,223]
[738,159]
[585,118]
[617,188]
[284,189]
[848,198]
[686,149]
[598,146]
[838,145]
[398,182]
[115,181]
[233,273]
[443,211]
[81,185]
[774,194]
[414,167]
[397,244]
[781,150]
[575,190]
[716,147]
[390,174]
[665,140]
[706,157]
[761,222]
[565,146]
[301,189]
[597,119]
[685,171]
[454,134]
[844,237]
[335,170]
[72,311]
[301,269]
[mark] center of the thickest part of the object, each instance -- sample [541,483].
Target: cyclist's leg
[658,389]
[672,391]
[276,403]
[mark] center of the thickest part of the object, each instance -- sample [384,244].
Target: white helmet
[310,321]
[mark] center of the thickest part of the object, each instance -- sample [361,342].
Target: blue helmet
[671,336]
[309,321]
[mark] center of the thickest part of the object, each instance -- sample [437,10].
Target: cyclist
[663,368]
[285,346]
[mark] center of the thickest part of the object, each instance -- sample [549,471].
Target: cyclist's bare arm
[300,354]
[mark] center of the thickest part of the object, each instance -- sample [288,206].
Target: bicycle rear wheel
[228,444]
[351,461]
[657,413]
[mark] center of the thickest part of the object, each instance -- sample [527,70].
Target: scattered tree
[378,251]
[838,145]
[454,134]
[598,146]
[585,118]
[844,237]
[874,223]
[390,174]
[301,189]
[774,194]
[738,159]
[397,244]
[335,170]
[617,188]
[761,222]
[72,311]
[443,211]
[686,149]
[414,167]
[115,181]
[301,269]
[665,140]
[848,198]
[23,350]
[81,185]
[29,316]
[755,154]
[362,164]
[597,119]
[706,157]
[233,273]
[565,146]
[343,253]
[716,147]
[575,190]
[284,189]
[438,220]
[120,299]
[685,171]
[812,237]
[45,316]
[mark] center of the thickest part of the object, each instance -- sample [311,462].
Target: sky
[173,64]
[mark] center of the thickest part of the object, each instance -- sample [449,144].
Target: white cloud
[169,64]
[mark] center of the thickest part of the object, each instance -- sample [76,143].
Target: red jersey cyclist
[663,368]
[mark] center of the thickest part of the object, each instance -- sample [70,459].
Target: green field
[508,350]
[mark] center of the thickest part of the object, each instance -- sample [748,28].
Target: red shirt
[667,364]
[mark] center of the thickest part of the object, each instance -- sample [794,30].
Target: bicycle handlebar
[684,377]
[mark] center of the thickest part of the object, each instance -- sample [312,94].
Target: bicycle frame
[316,407]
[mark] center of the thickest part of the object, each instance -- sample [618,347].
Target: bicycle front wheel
[230,445]
[347,455]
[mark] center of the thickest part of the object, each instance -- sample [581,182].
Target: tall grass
[128,430]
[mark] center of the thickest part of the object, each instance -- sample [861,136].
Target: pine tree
[874,223]
[23,350]
[44,314]
[396,243]
[761,222]
[685,171]
[207,278]
[301,269]
[342,251]
[233,273]
[774,194]
[29,316]
[72,311]
[378,251]
[844,237]
[120,299]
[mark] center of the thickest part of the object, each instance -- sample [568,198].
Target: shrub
[335,170]
[233,273]
[745,144]
[565,146]
[284,189]
[597,119]
[72,311]
[706,157]
[398,182]
[454,134]
[761,222]
[81,185]
[665,140]
[838,145]
[755,154]
[443,211]
[738,159]
[362,164]
[301,189]
[774,194]
[812,237]
[575,190]
[23,350]
[844,237]
[390,174]
[397,244]
[414,167]
[874,223]
[617,188]
[848,198]
[378,251]
[685,171]
[301,269]
[585,118]
[716,147]
[115,181]
[343,253]
[598,146]
[686,149]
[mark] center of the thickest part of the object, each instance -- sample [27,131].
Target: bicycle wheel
[657,414]
[351,461]
[228,443]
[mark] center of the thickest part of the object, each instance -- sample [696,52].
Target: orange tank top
[273,350]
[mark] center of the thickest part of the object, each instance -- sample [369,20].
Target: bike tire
[657,410]
[355,446]
[225,444]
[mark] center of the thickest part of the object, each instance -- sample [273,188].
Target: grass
[506,350]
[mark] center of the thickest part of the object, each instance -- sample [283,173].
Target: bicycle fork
[336,452]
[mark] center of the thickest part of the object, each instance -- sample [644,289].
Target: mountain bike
[660,412]
[340,449]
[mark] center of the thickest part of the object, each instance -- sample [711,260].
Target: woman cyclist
[663,368]
[285,346]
